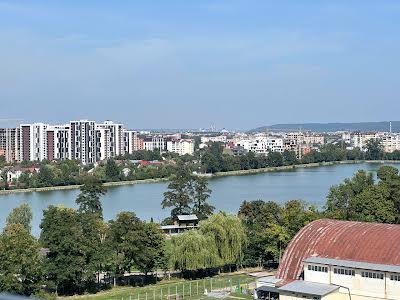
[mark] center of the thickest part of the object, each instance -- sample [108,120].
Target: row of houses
[84,140]
[263,143]
[390,141]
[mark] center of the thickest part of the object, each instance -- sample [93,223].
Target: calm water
[310,184]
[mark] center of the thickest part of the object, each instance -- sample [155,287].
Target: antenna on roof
[390,126]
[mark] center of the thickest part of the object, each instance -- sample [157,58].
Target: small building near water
[181,224]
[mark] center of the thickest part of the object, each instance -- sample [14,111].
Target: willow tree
[192,251]
[229,236]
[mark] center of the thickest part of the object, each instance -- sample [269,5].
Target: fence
[189,289]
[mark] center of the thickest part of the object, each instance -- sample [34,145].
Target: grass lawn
[193,289]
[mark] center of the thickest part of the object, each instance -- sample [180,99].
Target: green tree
[89,198]
[289,158]
[45,177]
[374,150]
[274,159]
[20,261]
[21,215]
[390,179]
[62,235]
[387,173]
[373,205]
[113,173]
[229,236]
[201,193]
[340,196]
[152,249]
[125,239]
[193,250]
[179,192]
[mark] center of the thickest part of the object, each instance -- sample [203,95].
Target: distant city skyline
[180,64]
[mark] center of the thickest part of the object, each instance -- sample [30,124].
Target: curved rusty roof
[357,241]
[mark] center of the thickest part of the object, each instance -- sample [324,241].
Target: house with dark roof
[338,260]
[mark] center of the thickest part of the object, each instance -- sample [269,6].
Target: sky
[192,64]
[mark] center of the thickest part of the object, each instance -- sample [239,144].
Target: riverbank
[301,166]
[219,174]
[72,187]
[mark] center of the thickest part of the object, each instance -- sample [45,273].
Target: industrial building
[338,260]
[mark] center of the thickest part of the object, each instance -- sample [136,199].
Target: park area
[220,287]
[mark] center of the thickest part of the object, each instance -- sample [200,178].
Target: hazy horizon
[180,64]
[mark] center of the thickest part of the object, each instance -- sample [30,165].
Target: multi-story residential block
[212,139]
[153,143]
[390,142]
[359,139]
[58,142]
[109,140]
[131,141]
[181,146]
[33,145]
[9,144]
[83,141]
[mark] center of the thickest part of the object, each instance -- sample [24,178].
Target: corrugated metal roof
[187,217]
[353,264]
[356,241]
[308,288]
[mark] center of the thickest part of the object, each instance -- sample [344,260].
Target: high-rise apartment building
[109,140]
[57,140]
[33,145]
[9,143]
[83,141]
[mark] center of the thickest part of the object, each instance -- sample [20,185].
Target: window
[318,268]
[395,277]
[372,275]
[343,271]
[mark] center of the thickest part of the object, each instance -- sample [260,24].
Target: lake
[310,184]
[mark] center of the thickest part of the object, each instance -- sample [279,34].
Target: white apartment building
[155,143]
[262,145]
[57,142]
[33,144]
[109,140]
[131,141]
[212,139]
[181,146]
[359,140]
[83,141]
[390,142]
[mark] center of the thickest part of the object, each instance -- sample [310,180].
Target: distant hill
[330,127]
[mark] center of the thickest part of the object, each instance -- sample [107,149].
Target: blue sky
[190,64]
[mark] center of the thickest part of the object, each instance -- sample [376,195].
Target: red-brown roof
[357,241]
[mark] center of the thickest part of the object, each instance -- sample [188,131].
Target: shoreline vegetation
[214,175]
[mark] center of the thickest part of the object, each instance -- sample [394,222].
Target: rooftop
[187,217]
[308,288]
[369,243]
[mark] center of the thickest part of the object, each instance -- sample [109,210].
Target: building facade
[57,140]
[83,141]
[9,144]
[338,260]
[33,145]
[181,146]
